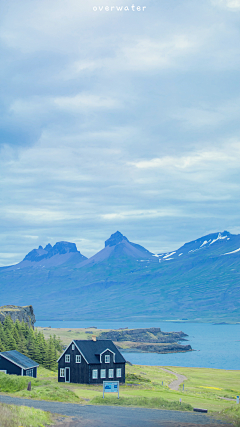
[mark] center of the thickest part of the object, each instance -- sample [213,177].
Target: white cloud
[83,100]
[230,4]
[187,162]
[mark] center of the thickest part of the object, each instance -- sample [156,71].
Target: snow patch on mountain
[204,243]
[220,237]
[233,252]
[166,256]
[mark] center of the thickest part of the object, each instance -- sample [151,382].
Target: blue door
[67,375]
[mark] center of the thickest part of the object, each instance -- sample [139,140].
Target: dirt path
[174,385]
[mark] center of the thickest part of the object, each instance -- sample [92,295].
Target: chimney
[94,337]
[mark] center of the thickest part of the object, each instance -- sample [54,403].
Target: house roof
[91,350]
[19,359]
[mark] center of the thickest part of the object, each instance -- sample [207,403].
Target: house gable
[104,351]
[69,346]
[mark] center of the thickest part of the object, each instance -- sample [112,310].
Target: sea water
[215,346]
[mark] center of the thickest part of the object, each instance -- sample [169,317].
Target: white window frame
[107,358]
[118,372]
[94,374]
[78,358]
[29,373]
[62,373]
[67,358]
[103,373]
[110,373]
[73,346]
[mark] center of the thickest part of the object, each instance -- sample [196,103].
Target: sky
[118,120]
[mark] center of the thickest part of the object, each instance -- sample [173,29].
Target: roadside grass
[153,402]
[23,416]
[233,414]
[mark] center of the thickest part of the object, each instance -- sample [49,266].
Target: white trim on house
[111,371]
[118,371]
[107,358]
[78,358]
[67,358]
[20,366]
[62,373]
[107,349]
[2,370]
[94,374]
[29,372]
[102,373]
[78,350]
[69,375]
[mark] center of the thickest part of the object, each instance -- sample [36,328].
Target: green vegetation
[147,402]
[21,337]
[15,416]
[146,386]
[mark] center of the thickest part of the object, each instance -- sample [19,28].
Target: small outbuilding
[13,362]
[91,362]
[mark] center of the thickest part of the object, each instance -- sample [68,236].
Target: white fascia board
[81,353]
[107,349]
[17,364]
[68,348]
[65,350]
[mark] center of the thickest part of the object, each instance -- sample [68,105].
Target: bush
[133,378]
[12,383]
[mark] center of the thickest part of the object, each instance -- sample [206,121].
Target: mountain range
[197,282]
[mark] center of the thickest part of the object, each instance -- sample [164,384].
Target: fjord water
[216,346]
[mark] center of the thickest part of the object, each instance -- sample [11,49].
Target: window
[110,373]
[119,372]
[73,347]
[107,358]
[29,372]
[94,374]
[67,358]
[78,358]
[103,373]
[62,372]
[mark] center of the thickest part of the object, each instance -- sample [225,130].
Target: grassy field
[145,386]
[22,416]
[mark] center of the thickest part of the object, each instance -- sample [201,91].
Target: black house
[13,362]
[91,362]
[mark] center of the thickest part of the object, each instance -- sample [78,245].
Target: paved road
[102,416]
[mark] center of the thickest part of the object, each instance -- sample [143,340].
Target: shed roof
[91,350]
[19,359]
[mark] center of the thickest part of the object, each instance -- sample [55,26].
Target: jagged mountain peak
[115,238]
[59,253]
[48,247]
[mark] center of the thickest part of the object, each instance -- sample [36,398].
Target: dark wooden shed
[91,362]
[13,362]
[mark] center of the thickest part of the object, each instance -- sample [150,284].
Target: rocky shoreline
[150,340]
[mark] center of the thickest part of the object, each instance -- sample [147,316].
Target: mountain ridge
[198,281]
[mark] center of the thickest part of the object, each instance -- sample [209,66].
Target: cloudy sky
[118,120]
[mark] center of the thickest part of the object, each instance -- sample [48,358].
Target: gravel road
[102,416]
[174,385]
